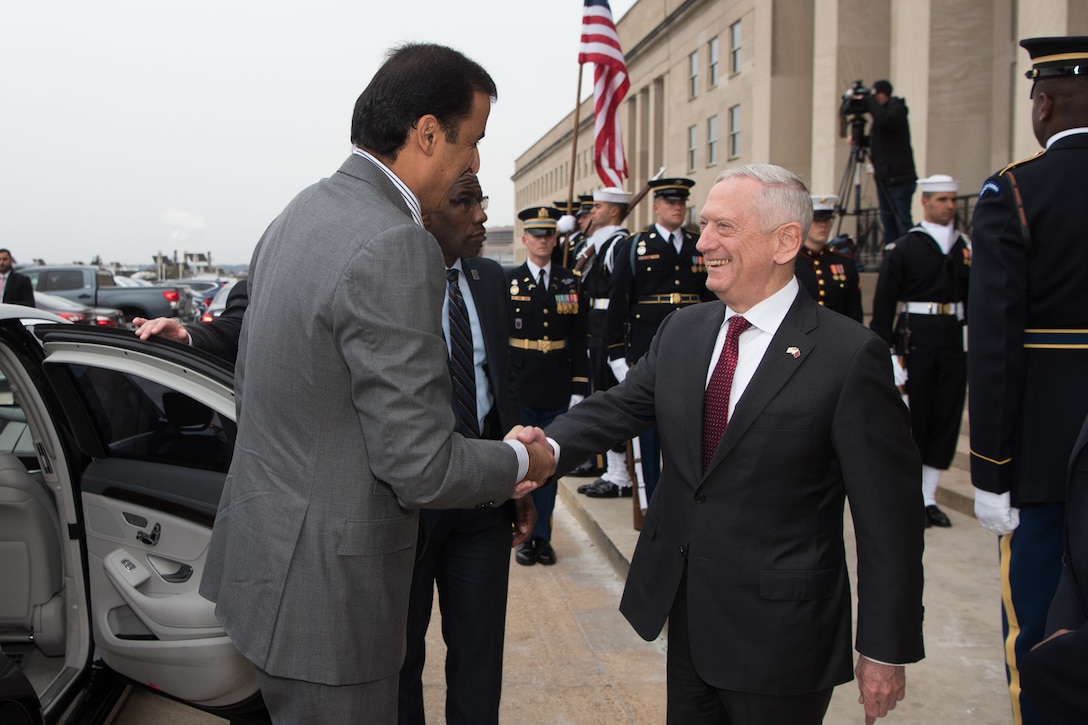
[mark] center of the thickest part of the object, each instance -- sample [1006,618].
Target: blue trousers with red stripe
[1031,564]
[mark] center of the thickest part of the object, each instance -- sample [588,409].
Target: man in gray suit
[345,426]
[742,546]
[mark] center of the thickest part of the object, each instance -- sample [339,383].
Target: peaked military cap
[673,189]
[1054,57]
[823,207]
[539,221]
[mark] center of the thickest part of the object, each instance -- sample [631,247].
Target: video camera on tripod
[855,104]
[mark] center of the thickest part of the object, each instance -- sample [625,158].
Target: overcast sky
[129,127]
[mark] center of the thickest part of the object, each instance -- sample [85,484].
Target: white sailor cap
[938,182]
[612,195]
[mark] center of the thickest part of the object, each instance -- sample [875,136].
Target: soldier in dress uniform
[924,275]
[563,254]
[547,352]
[830,277]
[596,262]
[656,272]
[1028,342]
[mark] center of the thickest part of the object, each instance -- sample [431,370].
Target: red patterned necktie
[716,401]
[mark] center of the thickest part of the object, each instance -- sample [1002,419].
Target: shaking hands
[541,458]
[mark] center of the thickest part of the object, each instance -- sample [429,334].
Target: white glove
[575,400]
[619,368]
[995,512]
[566,224]
[899,373]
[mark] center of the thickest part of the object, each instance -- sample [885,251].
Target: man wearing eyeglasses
[547,352]
[466,552]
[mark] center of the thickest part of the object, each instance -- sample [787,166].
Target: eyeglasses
[470,202]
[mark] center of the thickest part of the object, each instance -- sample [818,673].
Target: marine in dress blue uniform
[830,277]
[1028,342]
[547,352]
[656,272]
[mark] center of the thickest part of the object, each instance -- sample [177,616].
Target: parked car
[76,312]
[204,289]
[123,281]
[218,303]
[97,288]
[113,454]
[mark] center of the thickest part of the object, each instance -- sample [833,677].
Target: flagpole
[573,153]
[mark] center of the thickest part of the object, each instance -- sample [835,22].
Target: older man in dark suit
[742,546]
[345,428]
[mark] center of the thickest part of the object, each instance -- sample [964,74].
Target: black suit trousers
[468,557]
[692,701]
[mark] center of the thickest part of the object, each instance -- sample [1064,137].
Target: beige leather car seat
[31,602]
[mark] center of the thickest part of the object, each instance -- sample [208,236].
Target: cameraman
[893,160]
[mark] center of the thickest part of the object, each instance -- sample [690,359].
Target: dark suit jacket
[1055,676]
[19,290]
[760,532]
[220,336]
[487,280]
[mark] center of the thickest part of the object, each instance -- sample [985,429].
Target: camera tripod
[851,185]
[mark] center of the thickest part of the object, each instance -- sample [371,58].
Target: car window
[105,279]
[143,420]
[14,432]
[63,279]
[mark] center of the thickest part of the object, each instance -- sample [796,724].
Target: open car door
[154,427]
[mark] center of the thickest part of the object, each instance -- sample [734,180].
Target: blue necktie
[462,371]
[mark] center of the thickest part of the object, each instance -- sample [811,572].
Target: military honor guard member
[924,276]
[599,259]
[1028,339]
[830,277]
[656,272]
[547,352]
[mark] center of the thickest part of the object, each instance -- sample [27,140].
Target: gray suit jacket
[344,431]
[760,532]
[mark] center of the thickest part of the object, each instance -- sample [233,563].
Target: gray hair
[783,199]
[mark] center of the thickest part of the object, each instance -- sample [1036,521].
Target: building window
[734,132]
[734,47]
[712,141]
[693,71]
[693,140]
[712,51]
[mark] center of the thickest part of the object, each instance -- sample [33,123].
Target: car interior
[109,565]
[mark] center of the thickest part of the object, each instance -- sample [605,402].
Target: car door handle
[149,539]
[169,570]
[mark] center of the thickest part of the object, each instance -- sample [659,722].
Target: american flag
[601,46]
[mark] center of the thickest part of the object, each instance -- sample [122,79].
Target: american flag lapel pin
[795,351]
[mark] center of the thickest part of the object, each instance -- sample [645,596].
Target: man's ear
[426,132]
[788,242]
[1044,105]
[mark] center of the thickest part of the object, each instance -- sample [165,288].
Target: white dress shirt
[765,318]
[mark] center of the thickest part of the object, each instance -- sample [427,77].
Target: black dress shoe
[936,517]
[545,554]
[526,554]
[586,486]
[607,489]
[589,468]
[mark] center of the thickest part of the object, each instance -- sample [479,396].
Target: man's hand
[524,520]
[541,459]
[995,512]
[167,327]
[881,686]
